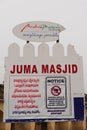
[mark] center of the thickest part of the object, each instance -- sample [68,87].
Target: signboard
[43,88]
[38,31]
[56,92]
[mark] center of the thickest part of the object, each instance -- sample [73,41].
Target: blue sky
[72,14]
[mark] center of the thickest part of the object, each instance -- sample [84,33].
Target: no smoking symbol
[56,90]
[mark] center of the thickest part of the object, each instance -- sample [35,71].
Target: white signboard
[38,31]
[45,87]
[57,92]
[26,98]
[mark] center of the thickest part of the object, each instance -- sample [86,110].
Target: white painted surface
[38,31]
[73,87]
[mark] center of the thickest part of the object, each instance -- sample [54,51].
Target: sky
[72,14]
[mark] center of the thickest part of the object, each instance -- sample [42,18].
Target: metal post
[57,41]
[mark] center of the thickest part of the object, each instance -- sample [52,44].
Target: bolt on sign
[43,87]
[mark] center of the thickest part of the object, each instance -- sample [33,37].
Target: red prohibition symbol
[56,90]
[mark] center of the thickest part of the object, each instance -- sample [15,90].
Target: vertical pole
[77,125]
[63,126]
[43,126]
[17,126]
[51,126]
[7,126]
[29,126]
[38,126]
[12,126]
[57,41]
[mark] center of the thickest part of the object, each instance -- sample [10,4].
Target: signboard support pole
[57,41]
[12,126]
[43,126]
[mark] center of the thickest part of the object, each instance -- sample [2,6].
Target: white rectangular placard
[45,87]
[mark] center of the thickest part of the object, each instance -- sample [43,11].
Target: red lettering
[19,69]
[65,69]
[30,26]
[24,69]
[45,68]
[69,67]
[34,69]
[13,70]
[58,68]
[27,69]
[74,68]
[52,69]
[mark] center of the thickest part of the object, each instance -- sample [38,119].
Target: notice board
[43,87]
